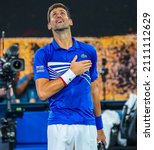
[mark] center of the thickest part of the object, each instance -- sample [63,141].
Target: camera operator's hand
[81,66]
[30,76]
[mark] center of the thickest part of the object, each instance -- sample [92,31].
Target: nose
[58,15]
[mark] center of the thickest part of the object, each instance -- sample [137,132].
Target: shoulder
[87,47]
[44,52]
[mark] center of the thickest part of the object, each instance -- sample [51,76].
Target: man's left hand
[101,136]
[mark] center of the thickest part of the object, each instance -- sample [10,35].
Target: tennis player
[65,73]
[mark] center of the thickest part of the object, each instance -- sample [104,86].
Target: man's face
[59,19]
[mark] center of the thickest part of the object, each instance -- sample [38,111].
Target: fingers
[79,67]
[85,61]
[104,141]
[87,66]
[75,58]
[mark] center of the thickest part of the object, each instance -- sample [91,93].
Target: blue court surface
[31,147]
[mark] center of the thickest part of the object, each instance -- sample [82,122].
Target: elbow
[43,95]
[18,92]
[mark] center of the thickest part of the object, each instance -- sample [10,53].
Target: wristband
[99,122]
[68,76]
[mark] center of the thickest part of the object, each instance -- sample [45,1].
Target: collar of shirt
[74,46]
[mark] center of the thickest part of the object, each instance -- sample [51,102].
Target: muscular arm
[95,97]
[46,88]
[97,109]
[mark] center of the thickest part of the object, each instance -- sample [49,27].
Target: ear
[49,26]
[70,22]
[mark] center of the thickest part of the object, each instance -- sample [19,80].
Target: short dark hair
[57,5]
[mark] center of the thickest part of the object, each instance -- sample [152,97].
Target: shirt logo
[39,69]
[83,56]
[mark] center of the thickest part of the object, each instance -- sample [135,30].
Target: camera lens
[17,64]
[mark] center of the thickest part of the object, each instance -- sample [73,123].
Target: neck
[63,38]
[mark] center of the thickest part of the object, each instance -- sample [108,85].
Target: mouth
[59,21]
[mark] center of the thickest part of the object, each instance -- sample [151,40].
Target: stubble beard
[60,29]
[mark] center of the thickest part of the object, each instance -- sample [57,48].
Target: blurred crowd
[121,62]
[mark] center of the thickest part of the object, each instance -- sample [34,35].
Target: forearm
[48,88]
[21,88]
[95,97]
[97,105]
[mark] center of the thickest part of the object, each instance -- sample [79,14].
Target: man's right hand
[81,66]
[47,88]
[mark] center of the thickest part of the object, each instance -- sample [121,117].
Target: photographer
[26,90]
[10,65]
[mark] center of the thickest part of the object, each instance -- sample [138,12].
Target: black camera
[10,64]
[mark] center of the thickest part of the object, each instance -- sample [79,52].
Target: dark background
[27,18]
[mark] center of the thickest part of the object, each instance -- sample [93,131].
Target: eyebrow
[62,10]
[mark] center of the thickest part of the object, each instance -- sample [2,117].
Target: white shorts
[72,137]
